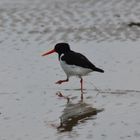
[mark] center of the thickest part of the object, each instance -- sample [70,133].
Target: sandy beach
[107,32]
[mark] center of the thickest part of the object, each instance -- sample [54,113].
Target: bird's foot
[61,81]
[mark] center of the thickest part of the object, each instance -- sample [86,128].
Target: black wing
[74,58]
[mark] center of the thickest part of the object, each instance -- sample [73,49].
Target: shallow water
[29,106]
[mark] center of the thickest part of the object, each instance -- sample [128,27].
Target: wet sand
[101,30]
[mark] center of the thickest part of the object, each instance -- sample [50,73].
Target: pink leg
[81,81]
[62,81]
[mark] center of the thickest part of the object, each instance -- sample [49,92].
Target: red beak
[49,52]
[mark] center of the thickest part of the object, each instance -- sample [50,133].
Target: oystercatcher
[73,63]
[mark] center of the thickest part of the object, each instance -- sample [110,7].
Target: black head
[59,48]
[62,48]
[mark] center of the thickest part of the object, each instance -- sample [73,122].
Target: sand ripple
[73,20]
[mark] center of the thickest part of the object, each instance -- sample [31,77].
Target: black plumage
[74,58]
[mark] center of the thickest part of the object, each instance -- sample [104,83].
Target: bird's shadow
[75,112]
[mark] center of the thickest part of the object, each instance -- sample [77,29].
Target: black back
[74,58]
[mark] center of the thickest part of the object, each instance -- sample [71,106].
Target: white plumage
[73,70]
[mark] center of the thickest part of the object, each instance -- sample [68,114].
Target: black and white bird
[73,63]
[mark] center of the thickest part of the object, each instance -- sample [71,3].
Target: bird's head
[59,48]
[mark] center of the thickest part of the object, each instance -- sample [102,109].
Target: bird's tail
[98,70]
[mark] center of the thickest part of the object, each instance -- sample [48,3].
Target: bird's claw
[59,82]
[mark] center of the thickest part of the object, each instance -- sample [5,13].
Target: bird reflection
[74,112]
